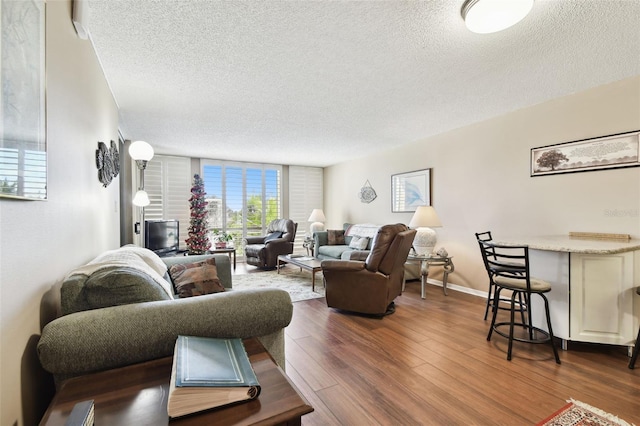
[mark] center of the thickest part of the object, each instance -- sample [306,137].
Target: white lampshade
[490,16]
[317,217]
[141,150]
[141,199]
[423,220]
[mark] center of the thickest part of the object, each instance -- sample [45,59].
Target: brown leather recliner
[263,251]
[370,287]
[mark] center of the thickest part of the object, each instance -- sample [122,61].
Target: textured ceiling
[319,82]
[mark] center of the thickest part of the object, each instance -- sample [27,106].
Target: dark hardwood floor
[430,363]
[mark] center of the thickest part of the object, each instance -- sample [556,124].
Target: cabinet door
[601,296]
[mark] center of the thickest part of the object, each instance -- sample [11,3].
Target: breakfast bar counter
[563,243]
[592,286]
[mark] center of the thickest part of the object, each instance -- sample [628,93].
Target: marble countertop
[574,245]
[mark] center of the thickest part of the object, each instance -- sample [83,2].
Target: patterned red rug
[577,413]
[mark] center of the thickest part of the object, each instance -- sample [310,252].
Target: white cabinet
[593,297]
[602,297]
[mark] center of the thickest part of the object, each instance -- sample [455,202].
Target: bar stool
[636,349]
[491,300]
[509,269]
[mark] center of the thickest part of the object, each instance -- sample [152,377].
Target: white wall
[481,178]
[42,240]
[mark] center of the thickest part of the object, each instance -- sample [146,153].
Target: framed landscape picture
[605,152]
[410,190]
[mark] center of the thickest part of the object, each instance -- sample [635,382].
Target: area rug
[297,283]
[577,413]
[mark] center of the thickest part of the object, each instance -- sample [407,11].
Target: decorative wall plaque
[107,162]
[367,193]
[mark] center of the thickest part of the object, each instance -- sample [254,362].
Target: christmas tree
[198,241]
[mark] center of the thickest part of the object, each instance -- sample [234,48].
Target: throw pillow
[273,236]
[195,279]
[335,236]
[359,243]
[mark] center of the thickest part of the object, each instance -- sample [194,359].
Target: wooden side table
[425,262]
[137,395]
[230,250]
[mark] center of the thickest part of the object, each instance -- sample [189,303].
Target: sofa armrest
[102,339]
[223,265]
[320,238]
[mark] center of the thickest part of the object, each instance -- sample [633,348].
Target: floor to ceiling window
[243,197]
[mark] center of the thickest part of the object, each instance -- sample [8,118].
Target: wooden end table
[230,250]
[137,395]
[305,262]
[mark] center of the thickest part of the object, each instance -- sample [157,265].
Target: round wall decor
[367,193]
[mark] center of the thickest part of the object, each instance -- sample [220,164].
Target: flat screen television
[162,236]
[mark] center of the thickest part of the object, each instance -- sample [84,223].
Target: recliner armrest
[342,265]
[254,240]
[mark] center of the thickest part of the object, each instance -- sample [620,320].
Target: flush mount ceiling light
[490,16]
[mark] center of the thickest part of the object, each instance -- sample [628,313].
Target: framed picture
[605,152]
[410,190]
[23,152]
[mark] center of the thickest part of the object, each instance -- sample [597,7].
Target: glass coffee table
[307,263]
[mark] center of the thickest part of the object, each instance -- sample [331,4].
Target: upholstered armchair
[263,251]
[370,287]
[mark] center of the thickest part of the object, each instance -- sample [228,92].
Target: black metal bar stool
[509,269]
[636,349]
[491,299]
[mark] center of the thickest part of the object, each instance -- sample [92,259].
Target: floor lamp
[141,152]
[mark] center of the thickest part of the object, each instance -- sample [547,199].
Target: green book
[208,373]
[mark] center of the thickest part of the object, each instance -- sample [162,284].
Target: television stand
[173,253]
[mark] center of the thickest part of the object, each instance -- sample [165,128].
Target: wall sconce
[141,152]
[318,219]
[490,16]
[423,220]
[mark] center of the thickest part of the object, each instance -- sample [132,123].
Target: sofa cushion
[335,237]
[118,286]
[359,243]
[333,251]
[196,279]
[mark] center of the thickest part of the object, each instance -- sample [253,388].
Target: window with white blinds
[23,172]
[243,197]
[305,194]
[168,182]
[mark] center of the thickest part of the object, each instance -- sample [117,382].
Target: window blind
[305,194]
[168,182]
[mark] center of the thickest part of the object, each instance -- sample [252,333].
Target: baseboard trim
[461,289]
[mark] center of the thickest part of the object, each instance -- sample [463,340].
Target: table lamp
[318,219]
[423,220]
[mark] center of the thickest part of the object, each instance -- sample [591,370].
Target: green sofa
[142,321]
[323,250]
